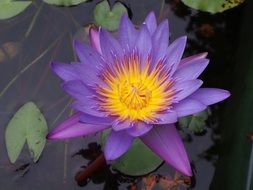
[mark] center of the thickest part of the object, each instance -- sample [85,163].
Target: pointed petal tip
[151,18]
[54,65]
[93,29]
[94,34]
[166,142]
[57,67]
[193,58]
[183,39]
[191,70]
[52,136]
[204,54]
[198,81]
[182,166]
[164,25]
[150,22]
[151,14]
[49,136]
[68,130]
[209,96]
[187,171]
[224,94]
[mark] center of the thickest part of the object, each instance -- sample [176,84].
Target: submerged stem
[65,166]
[87,172]
[33,21]
[161,8]
[27,67]
[62,111]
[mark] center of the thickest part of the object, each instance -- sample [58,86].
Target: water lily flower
[138,85]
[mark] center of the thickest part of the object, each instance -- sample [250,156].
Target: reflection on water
[50,38]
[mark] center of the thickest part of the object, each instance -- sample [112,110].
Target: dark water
[56,27]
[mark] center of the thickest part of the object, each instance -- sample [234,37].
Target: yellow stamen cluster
[135,91]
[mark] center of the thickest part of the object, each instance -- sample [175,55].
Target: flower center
[134,91]
[134,95]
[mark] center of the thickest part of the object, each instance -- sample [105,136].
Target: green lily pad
[109,18]
[212,6]
[195,123]
[138,160]
[28,124]
[9,9]
[64,2]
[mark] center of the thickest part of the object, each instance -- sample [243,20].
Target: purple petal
[160,42]
[77,89]
[175,52]
[209,96]
[88,55]
[117,143]
[94,39]
[127,33]
[91,119]
[166,142]
[121,125]
[111,49]
[74,118]
[77,71]
[140,128]
[167,117]
[144,44]
[150,22]
[65,71]
[90,107]
[192,70]
[186,88]
[188,107]
[192,58]
[73,128]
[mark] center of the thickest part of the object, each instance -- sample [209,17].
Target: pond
[44,33]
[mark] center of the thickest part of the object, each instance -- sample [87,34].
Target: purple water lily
[137,85]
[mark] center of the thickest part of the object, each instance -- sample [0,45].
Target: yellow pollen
[134,96]
[135,92]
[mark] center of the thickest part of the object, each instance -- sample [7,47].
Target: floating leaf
[10,8]
[15,136]
[212,6]
[138,160]
[107,18]
[64,2]
[27,124]
[195,123]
